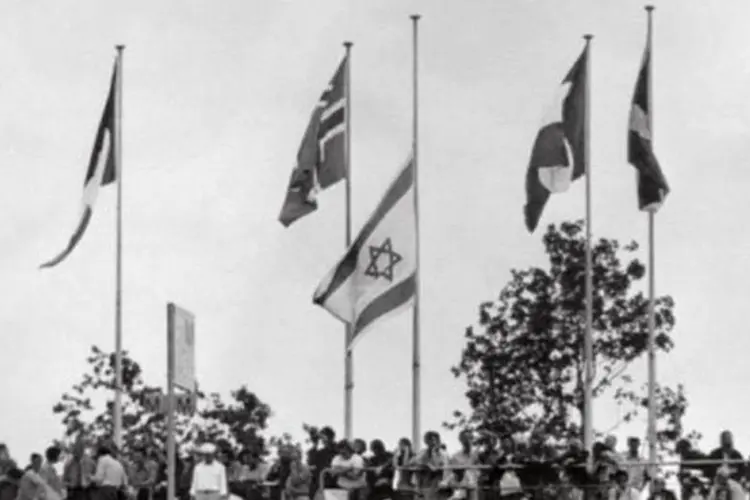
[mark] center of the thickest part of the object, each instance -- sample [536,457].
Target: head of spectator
[620,478]
[207,452]
[35,462]
[634,447]
[295,455]
[345,449]
[658,485]
[432,440]
[314,437]
[377,448]
[359,446]
[726,441]
[466,440]
[611,443]
[683,447]
[52,454]
[104,449]
[4,453]
[328,437]
[404,452]
[139,455]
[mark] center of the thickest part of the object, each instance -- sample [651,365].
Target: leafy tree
[87,411]
[523,361]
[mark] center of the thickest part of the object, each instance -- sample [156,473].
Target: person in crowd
[209,476]
[6,463]
[253,474]
[143,474]
[9,483]
[725,487]
[185,478]
[658,489]
[349,470]
[380,475]
[488,457]
[685,474]
[622,490]
[314,444]
[297,486]
[49,473]
[31,485]
[279,471]
[110,477]
[464,475]
[431,462]
[403,479]
[359,446]
[635,464]
[323,457]
[78,473]
[727,453]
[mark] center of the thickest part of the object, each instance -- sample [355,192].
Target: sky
[216,98]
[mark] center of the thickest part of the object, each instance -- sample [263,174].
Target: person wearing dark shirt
[323,457]
[380,475]
[725,453]
[280,471]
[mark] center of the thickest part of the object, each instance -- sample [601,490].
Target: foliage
[523,362]
[87,409]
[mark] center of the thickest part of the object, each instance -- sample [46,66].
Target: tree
[86,411]
[523,360]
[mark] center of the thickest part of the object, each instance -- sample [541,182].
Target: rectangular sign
[182,344]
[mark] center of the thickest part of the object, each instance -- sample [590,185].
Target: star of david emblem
[377,268]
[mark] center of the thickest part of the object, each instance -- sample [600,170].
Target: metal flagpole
[588,400]
[416,383]
[651,285]
[348,359]
[118,266]
[171,462]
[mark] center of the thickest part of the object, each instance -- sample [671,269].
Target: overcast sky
[216,97]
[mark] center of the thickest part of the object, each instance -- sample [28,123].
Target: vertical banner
[182,345]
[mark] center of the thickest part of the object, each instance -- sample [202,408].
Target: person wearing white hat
[209,476]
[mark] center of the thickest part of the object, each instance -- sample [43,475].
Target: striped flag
[321,157]
[376,276]
[101,170]
[558,154]
[652,185]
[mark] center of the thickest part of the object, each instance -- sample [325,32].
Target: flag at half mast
[321,160]
[100,172]
[376,276]
[558,154]
[652,185]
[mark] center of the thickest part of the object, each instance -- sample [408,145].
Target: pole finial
[415,17]
[348,44]
[588,37]
[120,47]
[649,8]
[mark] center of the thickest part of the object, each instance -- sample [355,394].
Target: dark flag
[320,159]
[652,185]
[101,170]
[558,154]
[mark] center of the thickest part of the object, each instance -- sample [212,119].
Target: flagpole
[651,267]
[118,266]
[416,376]
[588,429]
[348,359]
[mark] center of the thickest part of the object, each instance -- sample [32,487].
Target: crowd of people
[484,467]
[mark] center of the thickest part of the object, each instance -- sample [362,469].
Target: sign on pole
[180,373]
[183,347]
